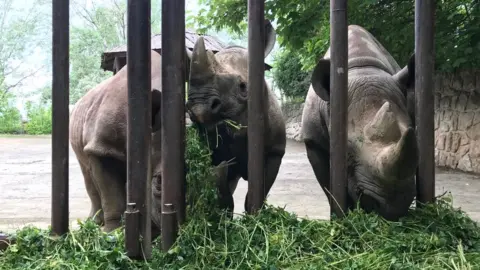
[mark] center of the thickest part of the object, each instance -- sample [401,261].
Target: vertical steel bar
[338,106]
[424,109]
[139,123]
[132,231]
[60,115]
[173,113]
[169,228]
[256,96]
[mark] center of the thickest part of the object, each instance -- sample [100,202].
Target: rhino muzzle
[206,112]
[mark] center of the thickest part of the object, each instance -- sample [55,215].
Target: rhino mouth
[209,124]
[390,203]
[207,115]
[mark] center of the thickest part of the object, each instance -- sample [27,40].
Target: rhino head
[218,88]
[382,148]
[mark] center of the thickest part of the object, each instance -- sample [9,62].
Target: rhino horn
[384,126]
[200,59]
[400,159]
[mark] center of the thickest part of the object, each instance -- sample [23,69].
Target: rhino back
[366,57]
[99,119]
[365,50]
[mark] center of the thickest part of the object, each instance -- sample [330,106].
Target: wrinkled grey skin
[98,135]
[382,150]
[217,92]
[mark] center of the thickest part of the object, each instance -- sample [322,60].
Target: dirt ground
[25,185]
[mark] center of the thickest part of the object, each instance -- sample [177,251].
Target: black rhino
[382,148]
[218,92]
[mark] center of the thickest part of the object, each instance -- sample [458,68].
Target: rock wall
[457,121]
[292,112]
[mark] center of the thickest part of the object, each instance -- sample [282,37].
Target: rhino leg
[92,192]
[156,209]
[226,183]
[320,161]
[110,177]
[272,166]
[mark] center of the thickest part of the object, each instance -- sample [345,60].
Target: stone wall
[457,121]
[292,112]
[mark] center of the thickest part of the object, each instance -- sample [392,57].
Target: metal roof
[211,43]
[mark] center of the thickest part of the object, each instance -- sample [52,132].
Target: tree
[289,76]
[22,30]
[103,26]
[303,26]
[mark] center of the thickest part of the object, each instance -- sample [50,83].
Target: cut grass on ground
[436,236]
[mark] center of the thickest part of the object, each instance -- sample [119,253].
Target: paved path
[25,185]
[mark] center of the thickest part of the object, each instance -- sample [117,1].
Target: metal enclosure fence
[173,116]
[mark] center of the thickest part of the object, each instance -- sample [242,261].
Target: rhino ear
[406,76]
[156,109]
[270,37]
[321,79]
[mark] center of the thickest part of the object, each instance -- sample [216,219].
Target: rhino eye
[243,87]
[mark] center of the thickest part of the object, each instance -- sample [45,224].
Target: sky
[27,91]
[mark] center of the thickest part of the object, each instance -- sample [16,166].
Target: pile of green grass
[436,236]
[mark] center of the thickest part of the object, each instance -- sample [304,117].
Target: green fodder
[436,236]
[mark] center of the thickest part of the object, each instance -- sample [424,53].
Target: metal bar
[173,112]
[139,121]
[338,106]
[256,96]
[132,229]
[169,218]
[424,109]
[60,115]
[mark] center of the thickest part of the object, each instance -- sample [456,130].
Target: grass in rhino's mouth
[436,236]
[231,127]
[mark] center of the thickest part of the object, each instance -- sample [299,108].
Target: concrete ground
[25,185]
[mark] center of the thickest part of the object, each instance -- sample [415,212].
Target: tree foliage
[103,27]
[22,30]
[303,26]
[289,76]
[10,118]
[40,118]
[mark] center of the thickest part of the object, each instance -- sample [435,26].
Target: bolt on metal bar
[173,114]
[132,231]
[338,106]
[60,115]
[424,109]
[169,228]
[139,126]
[256,113]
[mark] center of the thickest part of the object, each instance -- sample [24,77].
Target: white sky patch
[42,56]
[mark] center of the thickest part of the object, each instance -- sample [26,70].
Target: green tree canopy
[103,26]
[289,76]
[303,26]
[22,30]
